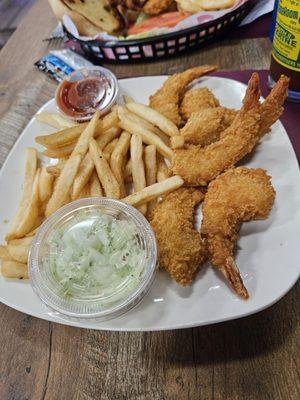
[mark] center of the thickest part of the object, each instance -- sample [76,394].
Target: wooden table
[253,358]
[11,13]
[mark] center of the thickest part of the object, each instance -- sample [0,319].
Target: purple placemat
[257,29]
[290,117]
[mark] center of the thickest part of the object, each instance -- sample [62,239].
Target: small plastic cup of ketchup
[86,90]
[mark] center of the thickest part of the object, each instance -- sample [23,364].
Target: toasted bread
[98,12]
[84,26]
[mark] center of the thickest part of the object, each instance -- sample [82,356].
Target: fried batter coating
[272,108]
[181,250]
[204,127]
[166,99]
[197,99]
[228,116]
[155,7]
[236,196]
[198,166]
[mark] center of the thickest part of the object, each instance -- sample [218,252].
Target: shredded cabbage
[98,255]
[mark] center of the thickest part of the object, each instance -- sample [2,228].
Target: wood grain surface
[255,358]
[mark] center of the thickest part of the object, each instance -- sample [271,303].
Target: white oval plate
[267,250]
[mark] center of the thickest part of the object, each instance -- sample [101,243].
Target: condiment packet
[60,63]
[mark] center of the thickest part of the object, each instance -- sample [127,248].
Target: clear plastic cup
[96,88]
[86,304]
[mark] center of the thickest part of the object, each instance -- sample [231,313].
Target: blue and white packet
[60,63]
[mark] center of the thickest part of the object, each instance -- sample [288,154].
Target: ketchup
[80,97]
[86,90]
[285,57]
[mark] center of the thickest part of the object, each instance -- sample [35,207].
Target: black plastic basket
[161,46]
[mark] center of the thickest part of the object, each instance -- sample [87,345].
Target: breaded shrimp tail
[166,99]
[252,95]
[234,197]
[272,108]
[198,166]
[180,248]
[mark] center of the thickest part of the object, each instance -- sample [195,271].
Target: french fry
[4,253]
[128,168]
[95,186]
[31,214]
[56,169]
[45,185]
[72,147]
[106,177]
[150,164]
[60,163]
[67,199]
[38,222]
[151,170]
[61,138]
[128,179]
[82,144]
[84,173]
[85,192]
[154,117]
[117,159]
[60,152]
[14,270]
[138,168]
[162,170]
[55,120]
[63,184]
[33,232]
[128,172]
[147,136]
[42,208]
[18,252]
[128,99]
[70,135]
[150,193]
[107,151]
[70,169]
[177,142]
[53,170]
[124,111]
[25,241]
[108,136]
[30,171]
[165,138]
[109,121]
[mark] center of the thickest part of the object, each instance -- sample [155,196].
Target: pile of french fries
[122,156]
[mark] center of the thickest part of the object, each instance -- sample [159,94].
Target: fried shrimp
[155,7]
[198,166]
[166,99]
[205,126]
[236,196]
[228,116]
[181,250]
[272,108]
[197,99]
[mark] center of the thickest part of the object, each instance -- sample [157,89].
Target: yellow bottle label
[286,43]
